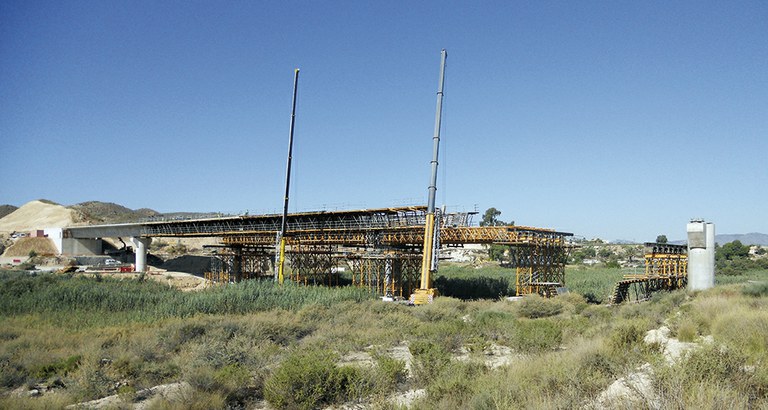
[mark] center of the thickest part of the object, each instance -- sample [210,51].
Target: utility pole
[280,243]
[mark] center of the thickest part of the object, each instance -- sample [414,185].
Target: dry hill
[22,247]
[39,214]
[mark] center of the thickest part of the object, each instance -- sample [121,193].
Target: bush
[453,387]
[391,372]
[302,381]
[627,336]
[310,379]
[756,289]
[59,367]
[711,376]
[744,329]
[429,359]
[536,335]
[687,331]
[535,306]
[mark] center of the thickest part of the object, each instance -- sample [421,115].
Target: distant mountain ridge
[96,212]
[753,238]
[108,212]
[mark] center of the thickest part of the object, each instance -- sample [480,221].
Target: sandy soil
[37,215]
[179,280]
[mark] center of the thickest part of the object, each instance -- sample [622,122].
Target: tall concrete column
[141,252]
[701,245]
[711,253]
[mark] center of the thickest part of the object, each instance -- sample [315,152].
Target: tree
[604,253]
[496,252]
[630,252]
[732,251]
[491,218]
[579,255]
[661,239]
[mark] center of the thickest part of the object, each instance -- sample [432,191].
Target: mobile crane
[425,293]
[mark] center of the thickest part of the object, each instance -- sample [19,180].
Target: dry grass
[564,359]
[23,246]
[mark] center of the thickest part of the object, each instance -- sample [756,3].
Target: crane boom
[425,293]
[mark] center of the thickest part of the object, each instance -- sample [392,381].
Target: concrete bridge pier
[141,252]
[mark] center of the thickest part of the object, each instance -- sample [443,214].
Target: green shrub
[311,379]
[11,374]
[573,302]
[59,367]
[452,387]
[302,381]
[235,383]
[184,334]
[744,329]
[429,359]
[710,376]
[756,289]
[535,306]
[687,331]
[91,380]
[536,335]
[627,335]
[391,372]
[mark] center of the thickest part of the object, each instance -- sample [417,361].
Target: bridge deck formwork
[666,268]
[377,249]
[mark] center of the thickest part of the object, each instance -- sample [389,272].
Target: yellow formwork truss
[666,268]
[383,254]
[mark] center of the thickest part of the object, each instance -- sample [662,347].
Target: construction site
[394,252]
[380,249]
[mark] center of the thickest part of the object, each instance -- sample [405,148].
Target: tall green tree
[661,239]
[491,218]
[732,251]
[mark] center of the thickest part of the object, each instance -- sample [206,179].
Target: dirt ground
[180,280]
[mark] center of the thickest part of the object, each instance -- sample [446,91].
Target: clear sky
[617,119]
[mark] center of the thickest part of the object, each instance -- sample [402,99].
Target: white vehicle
[111,262]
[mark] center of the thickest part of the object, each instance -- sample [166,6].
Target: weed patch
[538,335]
[311,379]
[535,306]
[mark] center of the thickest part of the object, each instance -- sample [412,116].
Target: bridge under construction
[666,268]
[380,249]
[392,251]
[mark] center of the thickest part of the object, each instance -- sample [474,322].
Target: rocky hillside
[7,209]
[96,212]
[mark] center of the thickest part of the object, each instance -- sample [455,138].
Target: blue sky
[618,119]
